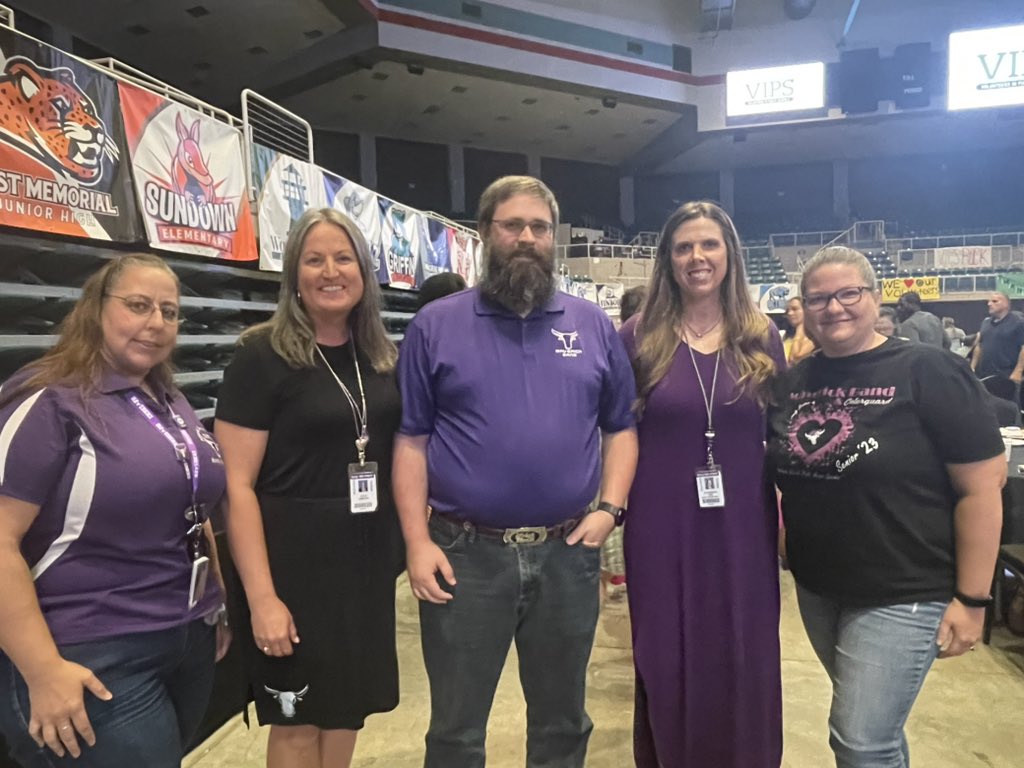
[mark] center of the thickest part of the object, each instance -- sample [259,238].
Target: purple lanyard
[186,452]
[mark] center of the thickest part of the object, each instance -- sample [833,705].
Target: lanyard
[709,434]
[359,417]
[188,456]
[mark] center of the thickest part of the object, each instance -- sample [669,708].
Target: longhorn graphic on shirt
[568,338]
[287,699]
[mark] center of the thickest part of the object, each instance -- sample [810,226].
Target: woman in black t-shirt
[890,465]
[306,418]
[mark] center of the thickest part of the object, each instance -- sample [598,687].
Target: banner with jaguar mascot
[189,178]
[63,164]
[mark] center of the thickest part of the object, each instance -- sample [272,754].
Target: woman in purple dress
[701,537]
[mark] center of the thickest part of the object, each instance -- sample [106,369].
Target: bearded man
[516,407]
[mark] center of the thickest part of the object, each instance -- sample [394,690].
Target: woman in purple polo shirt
[107,639]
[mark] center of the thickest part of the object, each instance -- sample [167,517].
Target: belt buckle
[524,535]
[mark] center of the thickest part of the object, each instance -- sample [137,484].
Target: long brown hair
[745,328]
[77,357]
[291,331]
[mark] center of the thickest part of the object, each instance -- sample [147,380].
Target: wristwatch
[616,512]
[973,602]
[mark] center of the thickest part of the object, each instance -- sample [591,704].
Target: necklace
[706,331]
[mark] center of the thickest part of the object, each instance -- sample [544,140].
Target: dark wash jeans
[543,596]
[161,683]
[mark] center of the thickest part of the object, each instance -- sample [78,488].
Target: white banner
[360,205]
[792,88]
[290,188]
[463,251]
[771,298]
[963,256]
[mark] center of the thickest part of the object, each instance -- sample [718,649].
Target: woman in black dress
[305,418]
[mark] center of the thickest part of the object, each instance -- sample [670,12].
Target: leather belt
[524,535]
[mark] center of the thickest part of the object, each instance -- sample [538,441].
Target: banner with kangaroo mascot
[189,178]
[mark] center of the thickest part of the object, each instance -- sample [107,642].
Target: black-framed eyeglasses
[144,307]
[515,227]
[846,297]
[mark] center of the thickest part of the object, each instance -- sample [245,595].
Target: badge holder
[710,488]
[362,481]
[197,586]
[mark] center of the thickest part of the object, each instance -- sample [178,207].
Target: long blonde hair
[745,328]
[291,331]
[77,357]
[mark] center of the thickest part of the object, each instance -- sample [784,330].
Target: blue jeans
[161,683]
[877,659]
[543,596]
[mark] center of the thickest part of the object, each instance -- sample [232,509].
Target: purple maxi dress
[703,584]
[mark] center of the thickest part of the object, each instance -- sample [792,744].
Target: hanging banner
[285,189]
[771,298]
[963,256]
[609,298]
[926,287]
[1012,284]
[435,257]
[63,167]
[402,236]
[360,205]
[462,253]
[189,178]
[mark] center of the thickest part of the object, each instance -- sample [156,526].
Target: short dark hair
[631,302]
[438,286]
[911,299]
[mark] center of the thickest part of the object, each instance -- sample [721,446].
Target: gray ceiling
[319,58]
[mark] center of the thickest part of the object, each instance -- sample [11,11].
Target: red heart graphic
[909,282]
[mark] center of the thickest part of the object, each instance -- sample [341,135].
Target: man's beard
[520,279]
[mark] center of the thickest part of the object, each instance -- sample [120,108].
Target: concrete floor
[970,713]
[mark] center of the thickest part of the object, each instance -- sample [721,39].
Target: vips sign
[926,287]
[794,88]
[986,68]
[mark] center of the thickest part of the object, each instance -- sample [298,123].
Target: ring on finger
[65,727]
[266,649]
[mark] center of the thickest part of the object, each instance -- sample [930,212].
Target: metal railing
[120,71]
[267,123]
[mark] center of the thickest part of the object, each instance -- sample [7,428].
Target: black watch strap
[611,509]
[973,602]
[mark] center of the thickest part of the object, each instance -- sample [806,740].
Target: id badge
[362,487]
[197,587]
[710,490]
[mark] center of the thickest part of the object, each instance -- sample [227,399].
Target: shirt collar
[485,306]
[111,382]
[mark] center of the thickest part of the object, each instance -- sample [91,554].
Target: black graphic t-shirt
[858,445]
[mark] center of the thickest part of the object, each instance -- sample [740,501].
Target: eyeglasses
[515,227]
[846,297]
[144,307]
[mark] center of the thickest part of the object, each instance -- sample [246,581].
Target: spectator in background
[632,302]
[797,343]
[1000,347]
[886,323]
[918,325]
[438,286]
[956,337]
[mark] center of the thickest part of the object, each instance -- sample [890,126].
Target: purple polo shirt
[513,406]
[108,549]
